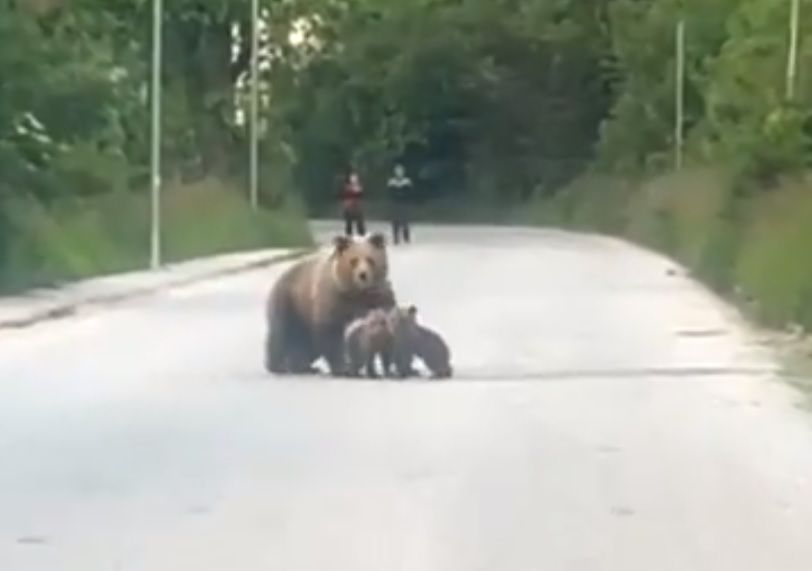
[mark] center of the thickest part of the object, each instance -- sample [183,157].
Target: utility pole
[792,57]
[679,93]
[155,178]
[254,135]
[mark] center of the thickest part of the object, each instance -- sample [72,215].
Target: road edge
[60,309]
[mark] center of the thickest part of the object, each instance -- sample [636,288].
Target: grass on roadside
[69,240]
[757,244]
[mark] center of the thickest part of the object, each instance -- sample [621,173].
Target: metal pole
[680,93]
[155,241]
[792,58]
[254,158]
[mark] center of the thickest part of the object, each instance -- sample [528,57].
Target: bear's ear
[412,311]
[341,243]
[378,240]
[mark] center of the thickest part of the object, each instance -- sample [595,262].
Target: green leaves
[498,98]
[59,94]
[503,96]
[736,108]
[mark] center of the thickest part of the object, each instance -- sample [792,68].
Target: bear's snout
[363,276]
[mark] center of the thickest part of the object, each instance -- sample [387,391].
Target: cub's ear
[378,240]
[341,243]
[412,311]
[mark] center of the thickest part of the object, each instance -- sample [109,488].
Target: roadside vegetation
[76,238]
[739,212]
[74,142]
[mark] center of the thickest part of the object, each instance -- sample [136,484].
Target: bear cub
[410,340]
[367,339]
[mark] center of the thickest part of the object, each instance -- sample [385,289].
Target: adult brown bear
[311,304]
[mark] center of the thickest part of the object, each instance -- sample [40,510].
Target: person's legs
[397,222]
[360,223]
[405,222]
[394,231]
[347,223]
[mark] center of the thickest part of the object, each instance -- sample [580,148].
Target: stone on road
[606,415]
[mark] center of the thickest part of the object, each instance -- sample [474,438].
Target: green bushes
[757,243]
[209,218]
[592,202]
[775,265]
[71,239]
[687,216]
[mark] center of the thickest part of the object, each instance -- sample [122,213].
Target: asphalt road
[606,415]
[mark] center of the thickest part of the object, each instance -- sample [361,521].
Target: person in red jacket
[351,206]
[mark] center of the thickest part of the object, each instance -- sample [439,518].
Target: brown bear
[410,340]
[312,303]
[367,339]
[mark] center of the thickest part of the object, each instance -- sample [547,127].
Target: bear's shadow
[320,372]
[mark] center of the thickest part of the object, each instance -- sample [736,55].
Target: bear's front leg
[332,349]
[354,365]
[372,369]
[301,353]
[386,363]
[403,364]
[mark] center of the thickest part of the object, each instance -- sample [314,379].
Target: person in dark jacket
[351,205]
[401,193]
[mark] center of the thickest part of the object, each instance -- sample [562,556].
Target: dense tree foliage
[737,110]
[489,97]
[483,99]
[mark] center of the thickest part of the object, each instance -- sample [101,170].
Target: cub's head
[377,323]
[360,264]
[402,320]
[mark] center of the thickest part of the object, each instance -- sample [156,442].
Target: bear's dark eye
[354,262]
[371,262]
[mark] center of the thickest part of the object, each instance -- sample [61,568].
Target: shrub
[774,265]
[76,238]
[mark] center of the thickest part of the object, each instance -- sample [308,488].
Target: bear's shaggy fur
[365,340]
[403,327]
[410,340]
[311,304]
[432,349]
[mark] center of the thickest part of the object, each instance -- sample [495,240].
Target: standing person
[400,197]
[351,207]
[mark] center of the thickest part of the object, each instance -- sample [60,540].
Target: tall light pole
[792,57]
[679,94]
[254,143]
[155,178]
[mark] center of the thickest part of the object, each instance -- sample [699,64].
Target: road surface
[607,415]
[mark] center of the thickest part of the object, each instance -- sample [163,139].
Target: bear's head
[360,264]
